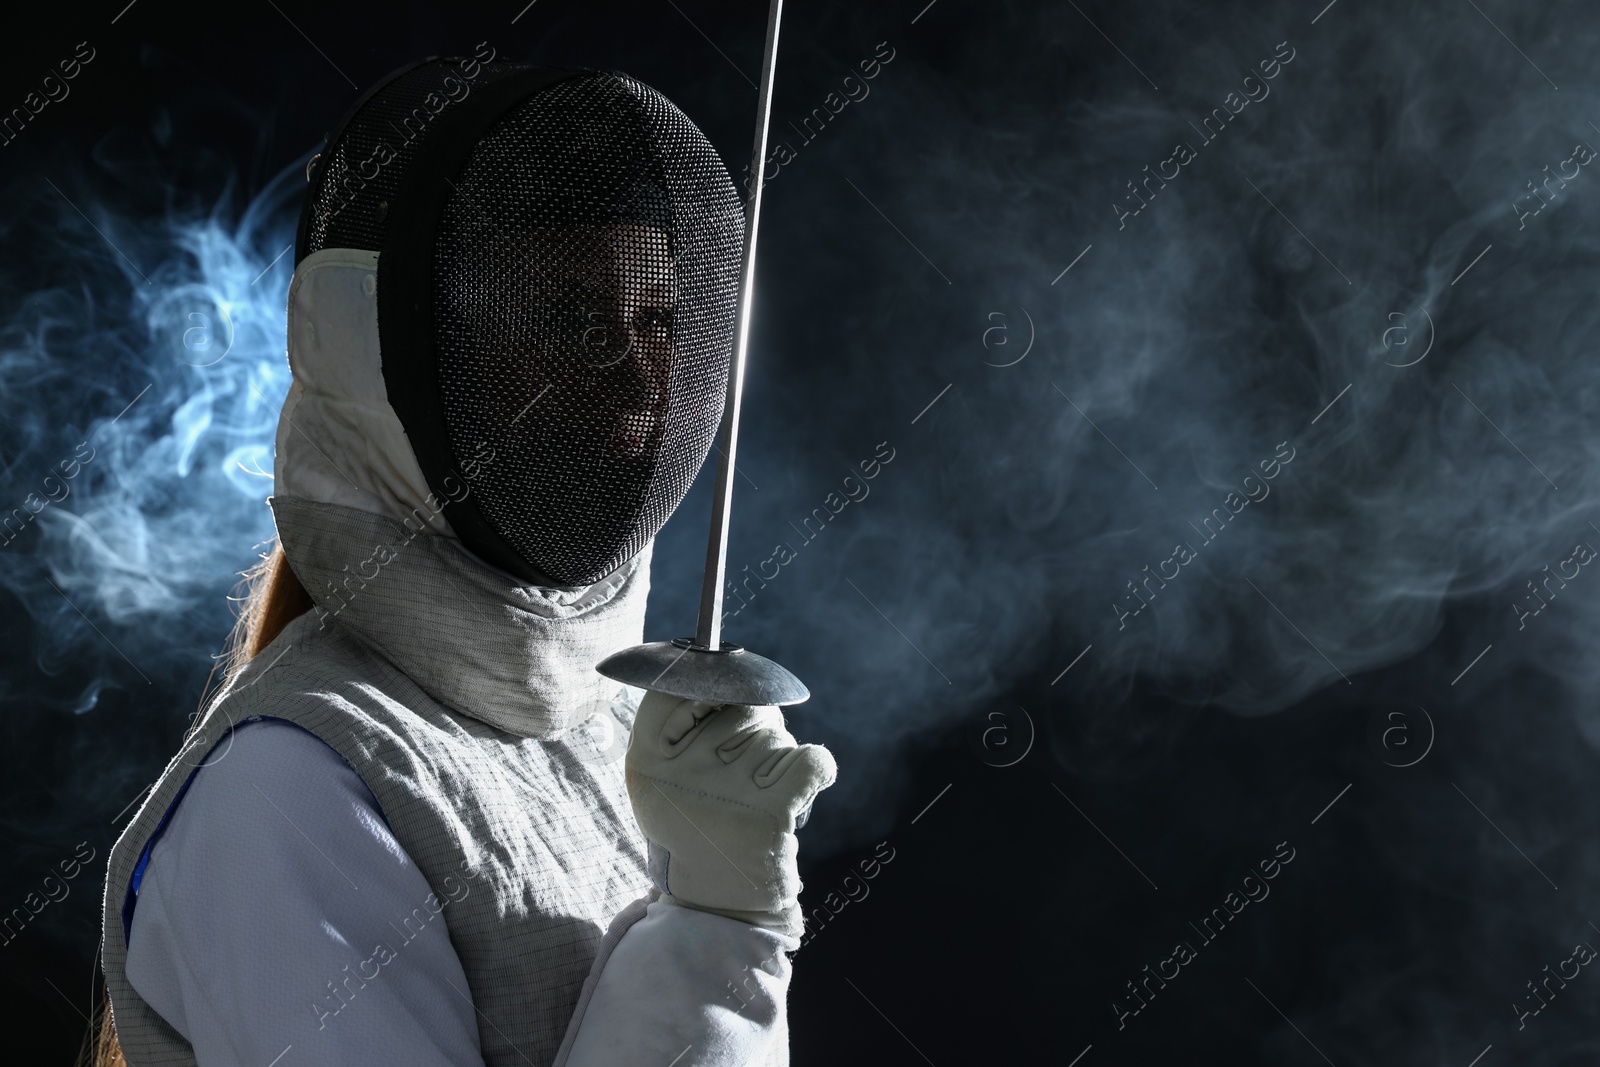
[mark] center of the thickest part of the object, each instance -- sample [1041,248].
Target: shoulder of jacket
[323,678]
[310,658]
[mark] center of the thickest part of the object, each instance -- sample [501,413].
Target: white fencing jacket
[401,834]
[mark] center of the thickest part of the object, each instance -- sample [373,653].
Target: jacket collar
[518,657]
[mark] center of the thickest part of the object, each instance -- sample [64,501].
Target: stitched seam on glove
[659,782]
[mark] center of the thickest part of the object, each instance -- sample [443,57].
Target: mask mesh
[586,276]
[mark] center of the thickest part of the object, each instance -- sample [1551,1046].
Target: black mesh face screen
[585,276]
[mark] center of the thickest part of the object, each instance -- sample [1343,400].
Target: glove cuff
[786,920]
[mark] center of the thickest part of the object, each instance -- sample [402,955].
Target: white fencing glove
[717,790]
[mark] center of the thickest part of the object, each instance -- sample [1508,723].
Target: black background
[1320,643]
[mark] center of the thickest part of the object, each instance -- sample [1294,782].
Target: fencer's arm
[697,977]
[675,982]
[249,938]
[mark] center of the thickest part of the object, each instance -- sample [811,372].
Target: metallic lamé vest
[470,707]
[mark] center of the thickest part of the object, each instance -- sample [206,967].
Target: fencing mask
[557,283]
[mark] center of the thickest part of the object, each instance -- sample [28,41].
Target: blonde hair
[272,597]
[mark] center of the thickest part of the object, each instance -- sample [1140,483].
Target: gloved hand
[717,790]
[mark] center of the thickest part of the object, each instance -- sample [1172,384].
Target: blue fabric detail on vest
[130,900]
